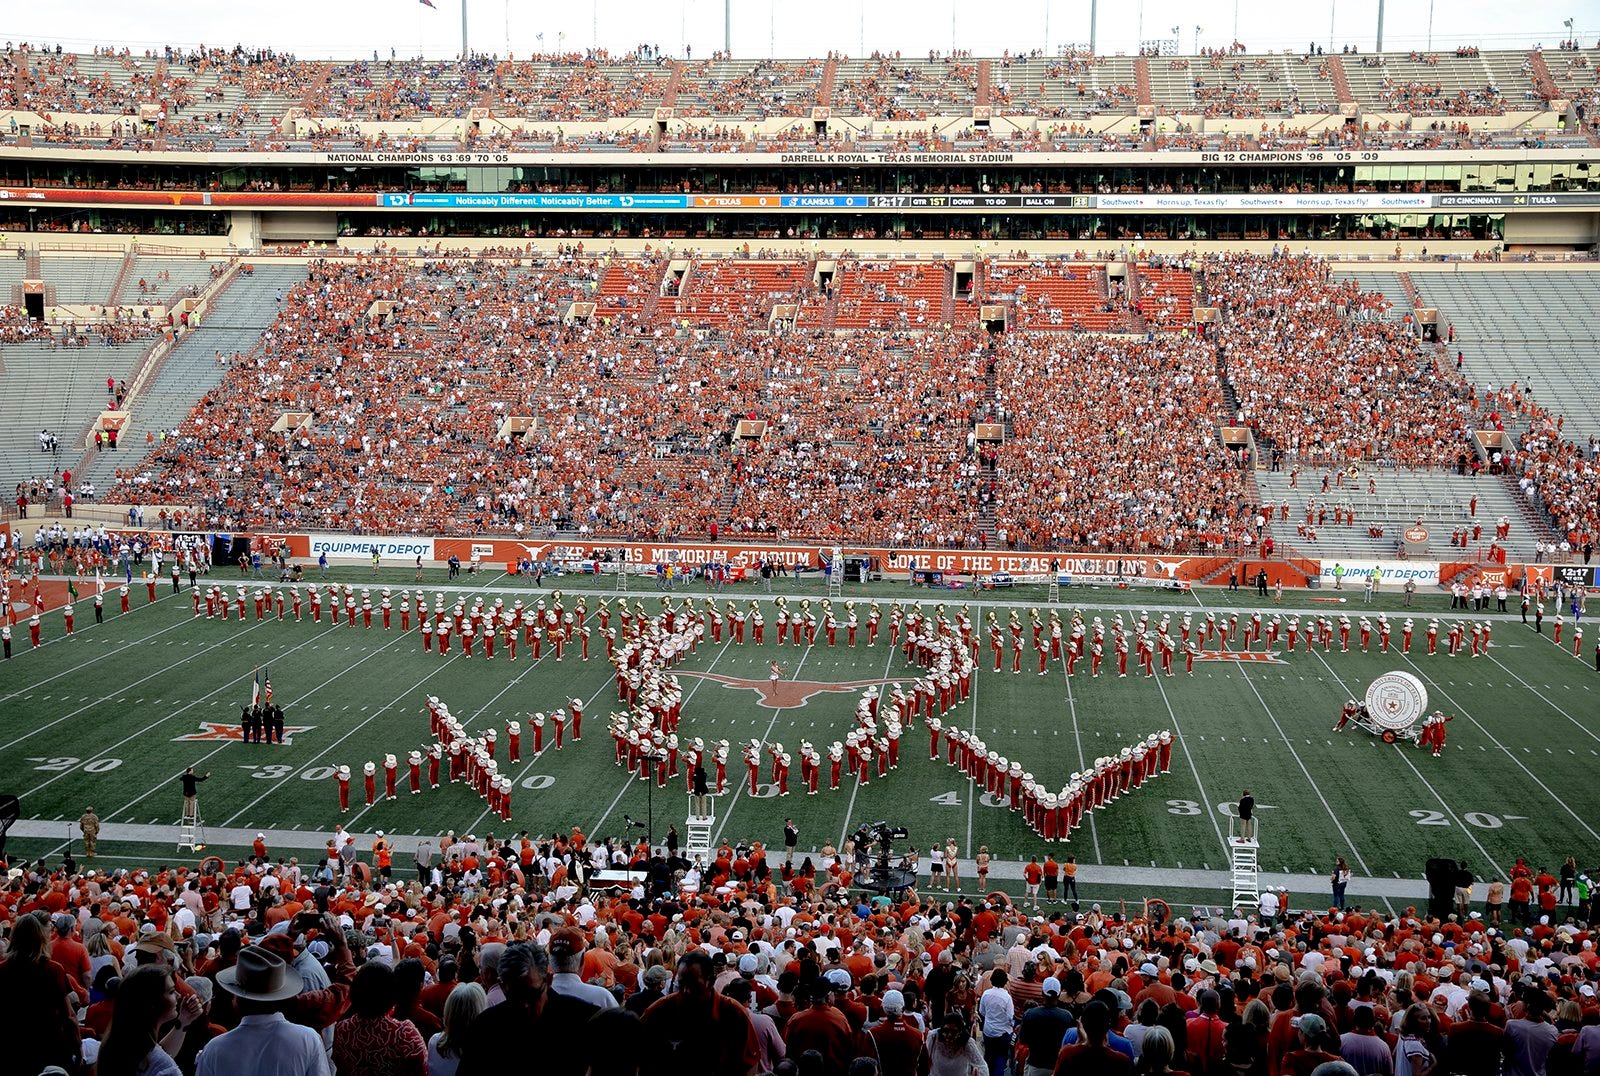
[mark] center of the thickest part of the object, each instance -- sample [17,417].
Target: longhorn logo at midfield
[219,730]
[786,694]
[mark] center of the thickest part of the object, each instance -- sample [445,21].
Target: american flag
[266,684]
[428,3]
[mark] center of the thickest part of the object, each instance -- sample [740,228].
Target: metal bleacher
[234,323]
[61,389]
[1440,499]
[1537,329]
[1386,284]
[182,274]
[80,280]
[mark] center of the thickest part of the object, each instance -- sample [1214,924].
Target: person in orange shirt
[1052,877]
[1521,896]
[1032,874]
[383,856]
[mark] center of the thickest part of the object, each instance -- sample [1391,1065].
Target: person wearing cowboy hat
[264,1041]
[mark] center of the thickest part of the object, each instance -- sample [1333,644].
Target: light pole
[651,758]
[1197,32]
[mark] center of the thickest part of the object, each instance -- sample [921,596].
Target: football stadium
[800,556]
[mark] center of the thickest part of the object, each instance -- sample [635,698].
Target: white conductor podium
[697,831]
[1244,855]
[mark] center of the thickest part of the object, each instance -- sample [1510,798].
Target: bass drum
[1396,701]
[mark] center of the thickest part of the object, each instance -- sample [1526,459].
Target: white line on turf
[353,730]
[850,810]
[124,687]
[1301,763]
[1580,725]
[167,783]
[1401,751]
[1507,751]
[80,666]
[723,823]
[1177,732]
[1077,736]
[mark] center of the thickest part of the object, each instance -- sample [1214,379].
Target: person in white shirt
[264,1043]
[566,951]
[239,897]
[998,1014]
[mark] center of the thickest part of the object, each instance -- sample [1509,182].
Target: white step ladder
[697,833]
[1055,590]
[1244,855]
[191,835]
[836,574]
[622,576]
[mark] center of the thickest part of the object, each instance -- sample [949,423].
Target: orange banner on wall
[891,562]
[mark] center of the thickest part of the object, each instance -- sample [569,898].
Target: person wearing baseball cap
[898,1040]
[264,1043]
[1043,1028]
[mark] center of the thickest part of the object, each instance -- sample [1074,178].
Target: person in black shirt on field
[191,803]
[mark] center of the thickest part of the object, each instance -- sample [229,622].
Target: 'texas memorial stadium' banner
[503,551]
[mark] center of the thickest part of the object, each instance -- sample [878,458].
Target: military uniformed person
[90,825]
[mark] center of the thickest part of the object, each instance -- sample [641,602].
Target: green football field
[111,716]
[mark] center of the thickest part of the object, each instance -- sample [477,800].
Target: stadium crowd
[476,952]
[634,408]
[211,98]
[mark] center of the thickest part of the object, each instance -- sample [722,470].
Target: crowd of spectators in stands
[497,947]
[867,433]
[1376,394]
[208,98]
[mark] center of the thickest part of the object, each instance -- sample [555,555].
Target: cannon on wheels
[1394,707]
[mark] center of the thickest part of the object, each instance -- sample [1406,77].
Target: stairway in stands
[1341,81]
[830,72]
[1141,81]
[233,324]
[1543,83]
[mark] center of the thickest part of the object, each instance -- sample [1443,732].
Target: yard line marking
[1413,767]
[159,721]
[275,785]
[1177,729]
[631,778]
[1301,763]
[717,836]
[972,785]
[1490,736]
[850,810]
[106,698]
[85,629]
[1077,735]
[1580,726]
